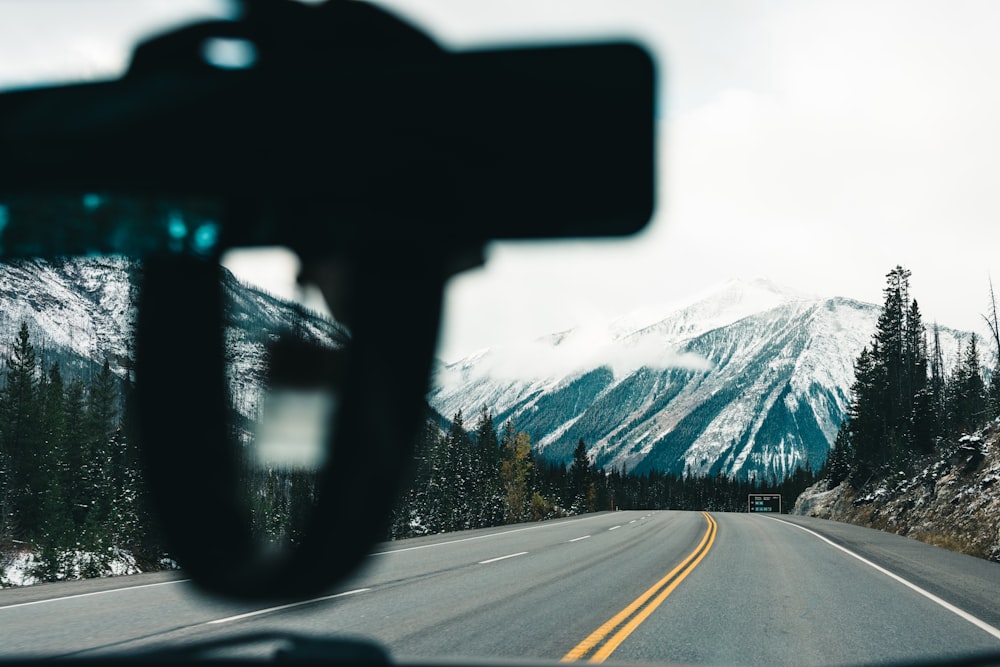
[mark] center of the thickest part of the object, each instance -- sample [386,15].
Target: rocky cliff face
[951,499]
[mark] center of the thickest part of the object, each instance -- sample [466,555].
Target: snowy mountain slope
[750,380]
[80,311]
[77,312]
[780,382]
[716,308]
[256,319]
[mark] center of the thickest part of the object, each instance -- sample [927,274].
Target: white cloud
[54,41]
[817,143]
[584,348]
[825,145]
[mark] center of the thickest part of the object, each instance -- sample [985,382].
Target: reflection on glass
[46,225]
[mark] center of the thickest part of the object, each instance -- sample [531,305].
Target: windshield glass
[764,430]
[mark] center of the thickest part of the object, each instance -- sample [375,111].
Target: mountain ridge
[750,381]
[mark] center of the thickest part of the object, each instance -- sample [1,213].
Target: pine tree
[22,437]
[924,422]
[892,356]
[966,395]
[937,380]
[865,423]
[440,489]
[993,394]
[409,516]
[56,532]
[79,467]
[419,516]
[101,424]
[490,490]
[126,518]
[486,437]
[840,461]
[580,473]
[915,354]
[460,475]
[894,408]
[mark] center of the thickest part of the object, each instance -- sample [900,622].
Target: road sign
[764,502]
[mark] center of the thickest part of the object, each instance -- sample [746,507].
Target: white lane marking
[982,625]
[577,539]
[479,537]
[632,521]
[87,595]
[493,560]
[284,606]
[614,527]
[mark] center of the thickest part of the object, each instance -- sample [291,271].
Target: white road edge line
[284,606]
[87,595]
[982,625]
[493,560]
[614,527]
[577,539]
[479,537]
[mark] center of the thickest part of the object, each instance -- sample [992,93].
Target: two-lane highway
[638,586]
[772,593]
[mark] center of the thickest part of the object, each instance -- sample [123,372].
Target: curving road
[684,587]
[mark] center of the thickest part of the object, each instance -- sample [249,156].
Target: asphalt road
[683,587]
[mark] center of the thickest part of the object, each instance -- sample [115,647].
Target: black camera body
[382,160]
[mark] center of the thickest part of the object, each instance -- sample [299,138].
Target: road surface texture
[666,587]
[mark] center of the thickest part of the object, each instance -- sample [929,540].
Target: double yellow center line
[604,640]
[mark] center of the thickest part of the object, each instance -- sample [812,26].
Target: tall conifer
[22,439]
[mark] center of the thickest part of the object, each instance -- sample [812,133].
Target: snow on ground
[18,569]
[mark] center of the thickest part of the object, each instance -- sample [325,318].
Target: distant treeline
[478,478]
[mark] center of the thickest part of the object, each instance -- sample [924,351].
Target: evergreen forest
[906,406]
[478,478]
[70,480]
[72,496]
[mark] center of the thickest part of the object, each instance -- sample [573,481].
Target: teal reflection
[205,238]
[101,223]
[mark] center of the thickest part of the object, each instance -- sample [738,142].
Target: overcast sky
[817,144]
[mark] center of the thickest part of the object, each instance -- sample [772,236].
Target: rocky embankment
[951,499]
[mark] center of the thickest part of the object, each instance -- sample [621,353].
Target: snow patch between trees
[22,568]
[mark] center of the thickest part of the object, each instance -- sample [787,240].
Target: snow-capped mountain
[749,380]
[77,312]
[80,312]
